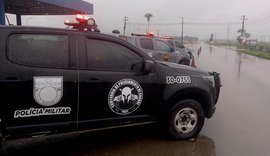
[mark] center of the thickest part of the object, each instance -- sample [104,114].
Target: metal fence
[264,48]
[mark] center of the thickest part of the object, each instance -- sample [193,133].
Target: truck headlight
[210,80]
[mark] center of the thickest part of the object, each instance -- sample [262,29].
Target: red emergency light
[81,18]
[82,22]
[150,34]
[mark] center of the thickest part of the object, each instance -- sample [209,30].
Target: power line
[213,22]
[186,23]
[262,20]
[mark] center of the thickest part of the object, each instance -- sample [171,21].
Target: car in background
[157,48]
[179,47]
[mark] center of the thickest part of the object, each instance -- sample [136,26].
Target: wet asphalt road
[240,125]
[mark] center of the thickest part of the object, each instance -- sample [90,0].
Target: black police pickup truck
[61,80]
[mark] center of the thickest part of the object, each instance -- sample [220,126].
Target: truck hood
[183,69]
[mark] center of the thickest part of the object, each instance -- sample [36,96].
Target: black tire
[192,116]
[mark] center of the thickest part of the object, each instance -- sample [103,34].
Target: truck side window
[130,40]
[178,45]
[39,50]
[162,46]
[103,55]
[147,44]
[170,42]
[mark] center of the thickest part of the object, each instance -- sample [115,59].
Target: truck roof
[33,27]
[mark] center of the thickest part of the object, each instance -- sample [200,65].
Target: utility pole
[243,22]
[228,35]
[242,31]
[263,43]
[182,38]
[125,24]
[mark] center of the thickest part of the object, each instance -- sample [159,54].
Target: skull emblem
[126,94]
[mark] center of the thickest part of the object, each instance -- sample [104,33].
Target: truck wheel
[186,119]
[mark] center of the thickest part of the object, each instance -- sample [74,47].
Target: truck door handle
[11,79]
[93,80]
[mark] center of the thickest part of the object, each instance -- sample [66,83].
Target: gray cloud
[201,17]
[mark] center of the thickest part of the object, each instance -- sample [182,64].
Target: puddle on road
[202,146]
[138,141]
[239,124]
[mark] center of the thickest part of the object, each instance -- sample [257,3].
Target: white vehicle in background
[157,48]
[180,47]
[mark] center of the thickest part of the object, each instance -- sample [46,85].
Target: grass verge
[257,53]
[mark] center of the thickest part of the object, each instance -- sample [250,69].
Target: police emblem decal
[125,96]
[48,90]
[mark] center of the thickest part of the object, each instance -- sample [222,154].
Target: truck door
[147,46]
[39,82]
[164,51]
[110,91]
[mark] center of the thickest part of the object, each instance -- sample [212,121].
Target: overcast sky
[201,17]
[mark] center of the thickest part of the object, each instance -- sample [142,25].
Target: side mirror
[145,67]
[148,67]
[181,46]
[137,67]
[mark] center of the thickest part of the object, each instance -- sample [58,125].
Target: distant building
[43,7]
[211,38]
[251,43]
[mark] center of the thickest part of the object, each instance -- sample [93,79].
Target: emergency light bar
[166,37]
[81,18]
[150,34]
[81,23]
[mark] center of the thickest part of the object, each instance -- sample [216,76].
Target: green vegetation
[257,53]
[243,49]
[223,43]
